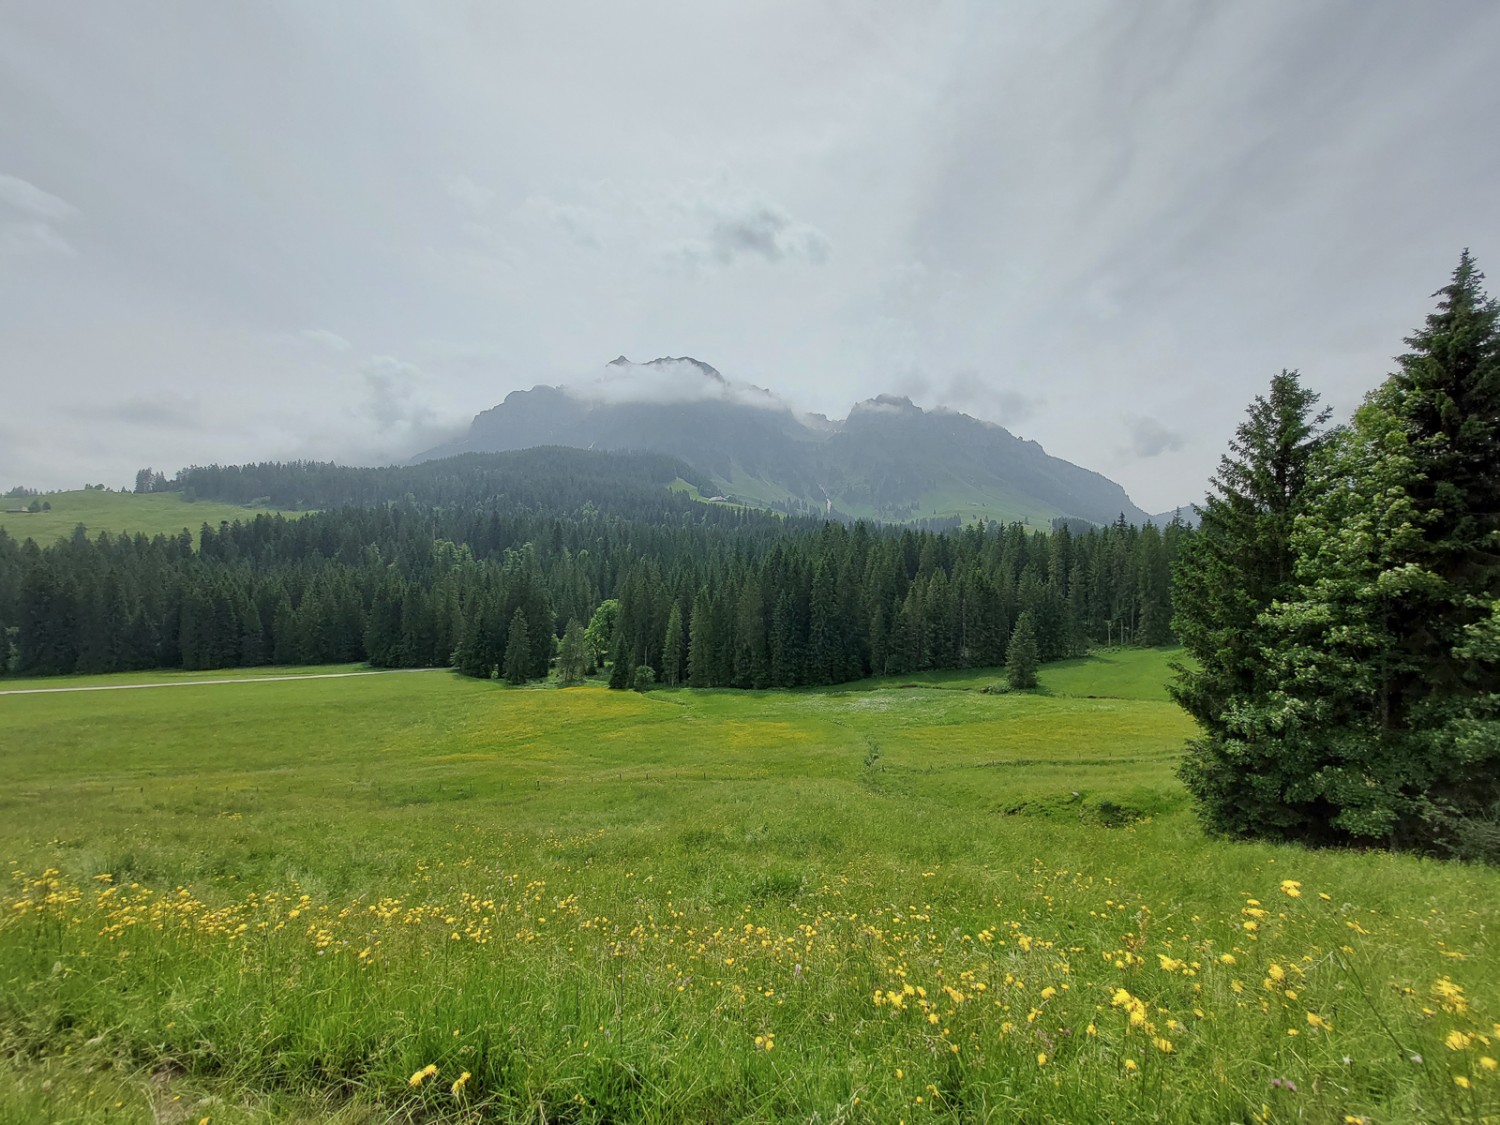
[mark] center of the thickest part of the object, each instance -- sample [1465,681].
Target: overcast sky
[239,231]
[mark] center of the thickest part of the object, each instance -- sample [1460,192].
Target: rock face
[888,460]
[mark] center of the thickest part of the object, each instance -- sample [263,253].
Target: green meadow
[421,898]
[150,514]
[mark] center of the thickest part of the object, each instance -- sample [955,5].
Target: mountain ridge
[889,459]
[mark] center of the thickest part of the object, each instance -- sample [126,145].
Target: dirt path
[202,683]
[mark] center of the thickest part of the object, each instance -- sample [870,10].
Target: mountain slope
[888,460]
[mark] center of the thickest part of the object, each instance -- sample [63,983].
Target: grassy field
[153,513]
[421,898]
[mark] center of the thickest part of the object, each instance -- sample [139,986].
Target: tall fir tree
[673,649]
[1388,712]
[517,667]
[1021,654]
[1241,561]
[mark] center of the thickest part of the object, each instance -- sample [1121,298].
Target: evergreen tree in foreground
[1389,659]
[1240,562]
[1356,698]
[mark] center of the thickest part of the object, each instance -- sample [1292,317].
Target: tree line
[1342,601]
[690,593]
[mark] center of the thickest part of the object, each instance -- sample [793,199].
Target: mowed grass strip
[288,901]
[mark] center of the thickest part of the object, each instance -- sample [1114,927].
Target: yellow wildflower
[422,1075]
[1130,1064]
[1488,1063]
[1041,1059]
[1315,1020]
[460,1083]
[1460,1081]
[1291,888]
[1450,995]
[1458,1041]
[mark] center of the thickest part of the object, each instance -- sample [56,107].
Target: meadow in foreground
[423,898]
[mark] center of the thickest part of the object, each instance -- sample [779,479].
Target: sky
[248,231]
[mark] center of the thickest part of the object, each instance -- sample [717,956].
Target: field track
[201,683]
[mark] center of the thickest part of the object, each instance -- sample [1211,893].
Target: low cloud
[19,195]
[583,226]
[392,389]
[968,391]
[29,218]
[668,381]
[1013,407]
[165,413]
[326,339]
[1149,438]
[743,226]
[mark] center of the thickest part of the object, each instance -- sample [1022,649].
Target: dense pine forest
[484,563]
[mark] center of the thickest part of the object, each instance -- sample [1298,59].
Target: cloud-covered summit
[667,380]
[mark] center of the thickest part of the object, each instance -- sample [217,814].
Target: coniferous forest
[484,563]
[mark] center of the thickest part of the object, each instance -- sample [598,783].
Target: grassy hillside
[150,513]
[967,500]
[260,902]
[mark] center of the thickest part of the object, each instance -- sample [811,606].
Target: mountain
[889,460]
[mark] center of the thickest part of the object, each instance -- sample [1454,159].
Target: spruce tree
[517,649]
[621,670]
[1021,654]
[701,642]
[1240,562]
[673,649]
[1389,663]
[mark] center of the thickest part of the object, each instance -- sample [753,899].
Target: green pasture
[907,900]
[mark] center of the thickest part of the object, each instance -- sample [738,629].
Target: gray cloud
[738,225]
[1012,407]
[326,339]
[393,394]
[150,413]
[584,226]
[972,392]
[1149,438]
[19,195]
[667,381]
[32,237]
[1061,215]
[29,218]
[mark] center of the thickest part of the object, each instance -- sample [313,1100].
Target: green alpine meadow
[418,896]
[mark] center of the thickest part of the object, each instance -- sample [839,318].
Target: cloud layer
[1102,226]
